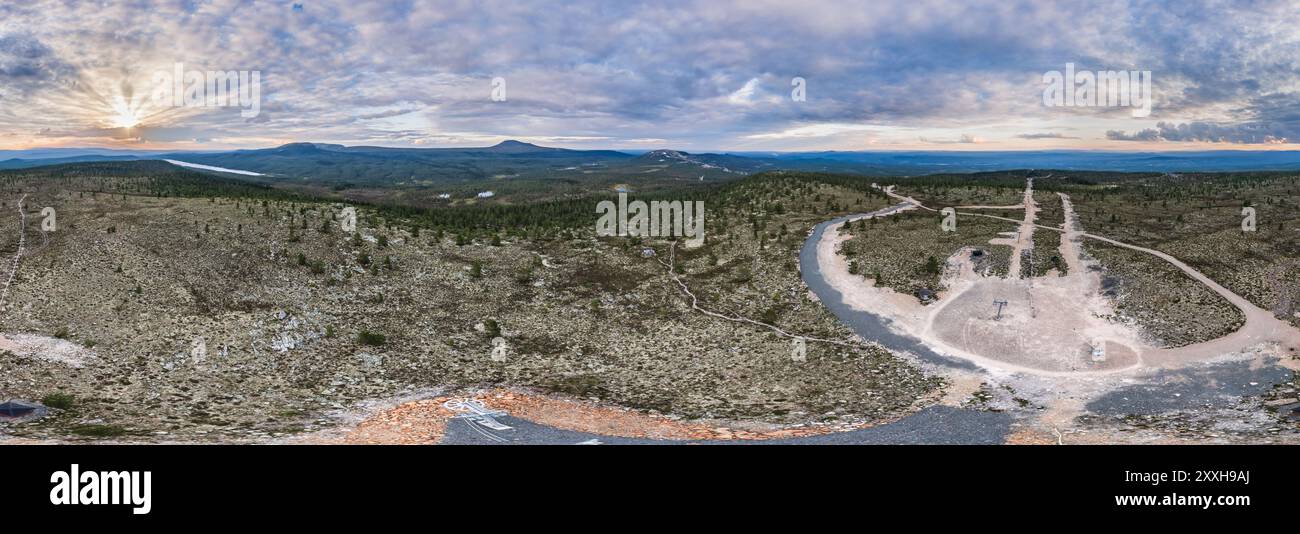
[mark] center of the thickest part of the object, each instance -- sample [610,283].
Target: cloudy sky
[709,75]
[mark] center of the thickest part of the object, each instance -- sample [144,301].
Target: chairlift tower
[1000,304]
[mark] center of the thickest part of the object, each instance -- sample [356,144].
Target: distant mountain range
[928,162]
[364,166]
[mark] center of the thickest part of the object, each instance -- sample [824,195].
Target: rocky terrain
[182,309]
[234,318]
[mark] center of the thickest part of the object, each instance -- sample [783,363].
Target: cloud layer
[691,75]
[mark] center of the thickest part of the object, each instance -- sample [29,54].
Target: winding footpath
[695,305]
[22,245]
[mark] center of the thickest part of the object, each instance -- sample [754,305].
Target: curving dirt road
[1260,326]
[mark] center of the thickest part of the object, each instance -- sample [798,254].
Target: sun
[122,114]
[124,120]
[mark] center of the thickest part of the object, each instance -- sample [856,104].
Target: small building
[1099,351]
[12,410]
[486,194]
[647,252]
[925,295]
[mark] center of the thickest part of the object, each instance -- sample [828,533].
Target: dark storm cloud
[27,63]
[1266,120]
[1251,133]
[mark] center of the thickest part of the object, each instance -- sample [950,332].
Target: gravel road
[940,425]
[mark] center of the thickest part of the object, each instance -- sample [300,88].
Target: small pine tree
[932,265]
[366,337]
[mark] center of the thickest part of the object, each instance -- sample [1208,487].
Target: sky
[714,75]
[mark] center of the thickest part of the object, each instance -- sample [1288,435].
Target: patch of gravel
[46,348]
